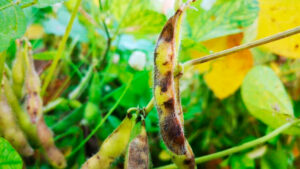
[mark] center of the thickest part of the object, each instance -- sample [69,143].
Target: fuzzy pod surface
[10,130]
[113,146]
[138,151]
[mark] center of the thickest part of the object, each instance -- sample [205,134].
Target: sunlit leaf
[136,17]
[276,16]
[9,158]
[224,18]
[41,3]
[13,23]
[224,76]
[266,99]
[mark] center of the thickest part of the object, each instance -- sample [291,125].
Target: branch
[259,42]
[60,48]
[239,148]
[29,4]
[226,52]
[2,64]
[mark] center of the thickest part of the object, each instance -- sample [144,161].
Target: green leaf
[136,17]
[266,99]
[45,3]
[224,18]
[13,23]
[9,158]
[41,3]
[275,159]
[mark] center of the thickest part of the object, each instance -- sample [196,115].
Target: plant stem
[103,120]
[149,106]
[2,64]
[60,48]
[239,148]
[217,55]
[29,4]
[259,42]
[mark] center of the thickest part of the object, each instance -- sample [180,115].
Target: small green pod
[22,117]
[18,70]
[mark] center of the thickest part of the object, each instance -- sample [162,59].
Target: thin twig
[109,39]
[217,55]
[60,48]
[2,65]
[259,42]
[239,148]
[30,4]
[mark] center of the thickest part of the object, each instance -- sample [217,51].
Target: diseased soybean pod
[10,129]
[166,91]
[113,146]
[138,151]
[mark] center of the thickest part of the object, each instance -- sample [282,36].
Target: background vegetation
[95,61]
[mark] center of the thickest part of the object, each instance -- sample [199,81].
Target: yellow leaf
[35,31]
[225,75]
[214,45]
[276,16]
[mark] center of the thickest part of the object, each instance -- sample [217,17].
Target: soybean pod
[33,102]
[22,117]
[167,73]
[34,106]
[165,63]
[138,151]
[113,146]
[11,130]
[18,70]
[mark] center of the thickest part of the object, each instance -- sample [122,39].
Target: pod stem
[60,48]
[226,52]
[249,45]
[239,148]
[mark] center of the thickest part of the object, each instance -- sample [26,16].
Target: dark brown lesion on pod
[169,104]
[168,31]
[165,63]
[166,81]
[172,134]
[190,162]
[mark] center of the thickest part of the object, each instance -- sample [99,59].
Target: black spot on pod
[166,81]
[172,134]
[169,104]
[190,163]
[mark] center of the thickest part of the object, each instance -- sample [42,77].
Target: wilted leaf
[9,158]
[224,76]
[224,18]
[266,99]
[13,23]
[276,16]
